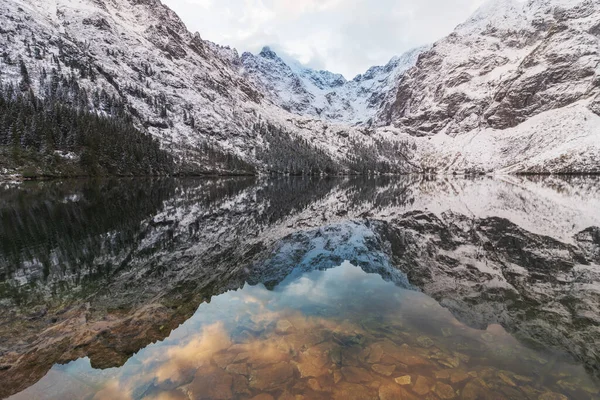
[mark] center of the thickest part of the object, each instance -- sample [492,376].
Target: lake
[301,288]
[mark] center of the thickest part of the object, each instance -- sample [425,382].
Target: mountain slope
[508,62]
[138,53]
[516,88]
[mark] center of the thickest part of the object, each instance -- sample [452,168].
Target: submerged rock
[382,369]
[425,341]
[263,396]
[356,375]
[505,377]
[213,383]
[444,391]
[404,380]
[271,377]
[552,396]
[352,391]
[394,392]
[422,385]
[284,326]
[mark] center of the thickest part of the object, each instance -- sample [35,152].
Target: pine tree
[25,83]
[105,145]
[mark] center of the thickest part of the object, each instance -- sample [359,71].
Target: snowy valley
[516,88]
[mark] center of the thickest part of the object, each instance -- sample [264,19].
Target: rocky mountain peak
[324,94]
[325,79]
[268,53]
[500,14]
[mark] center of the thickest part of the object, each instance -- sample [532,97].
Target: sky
[342,36]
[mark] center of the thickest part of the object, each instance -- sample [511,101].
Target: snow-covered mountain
[516,88]
[138,50]
[185,91]
[510,61]
[323,94]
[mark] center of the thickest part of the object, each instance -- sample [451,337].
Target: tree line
[66,131]
[285,153]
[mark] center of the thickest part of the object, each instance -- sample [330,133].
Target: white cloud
[345,36]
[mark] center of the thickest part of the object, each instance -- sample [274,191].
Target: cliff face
[507,63]
[180,88]
[189,93]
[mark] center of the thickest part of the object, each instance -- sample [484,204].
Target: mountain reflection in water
[237,288]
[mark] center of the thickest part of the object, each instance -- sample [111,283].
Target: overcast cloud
[344,36]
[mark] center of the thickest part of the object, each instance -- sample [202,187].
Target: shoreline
[47,178]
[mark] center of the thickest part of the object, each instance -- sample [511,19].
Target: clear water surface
[389,288]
